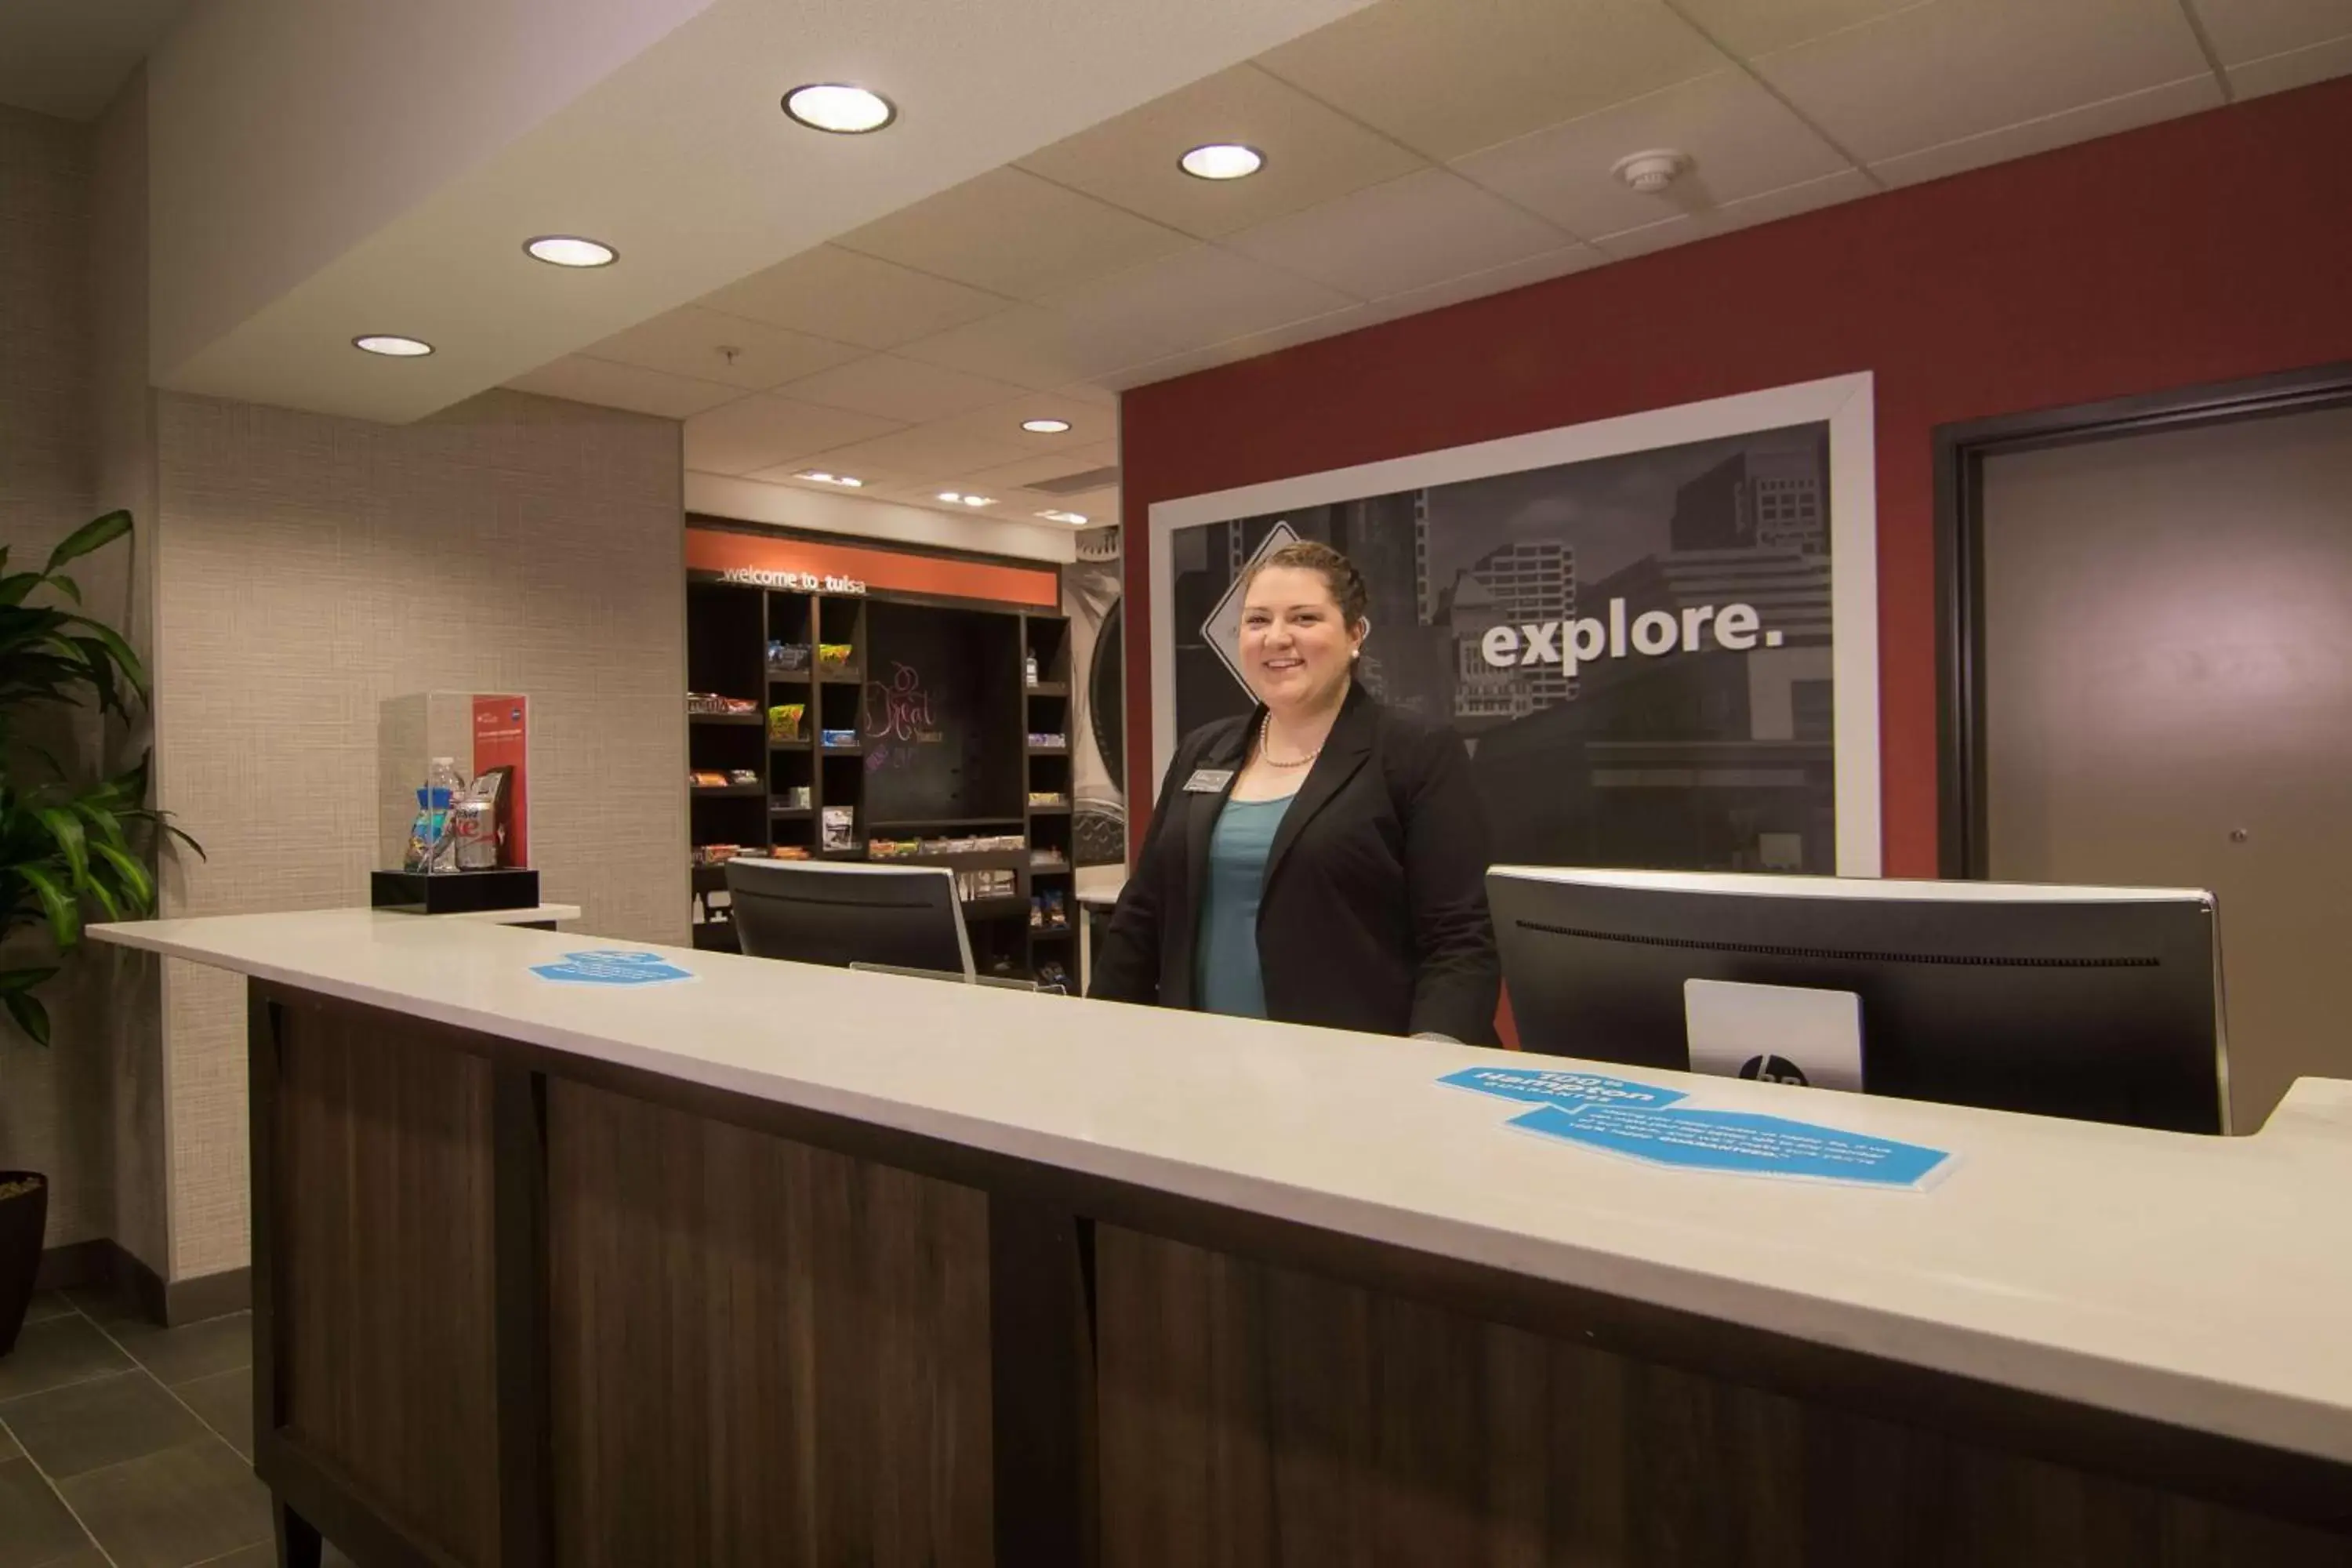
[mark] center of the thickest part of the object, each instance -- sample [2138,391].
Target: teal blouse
[1228,977]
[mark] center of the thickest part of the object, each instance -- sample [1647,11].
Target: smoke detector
[1652,172]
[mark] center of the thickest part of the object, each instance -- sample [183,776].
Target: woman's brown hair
[1339,574]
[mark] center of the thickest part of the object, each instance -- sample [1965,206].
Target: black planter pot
[23,1217]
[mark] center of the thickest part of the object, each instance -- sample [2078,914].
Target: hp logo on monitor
[1771,1070]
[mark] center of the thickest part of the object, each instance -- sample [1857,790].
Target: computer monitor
[2101,1003]
[810,911]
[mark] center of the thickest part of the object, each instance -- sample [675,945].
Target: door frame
[1960,450]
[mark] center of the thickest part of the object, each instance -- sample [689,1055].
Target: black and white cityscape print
[1635,648]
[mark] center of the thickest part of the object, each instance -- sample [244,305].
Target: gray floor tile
[168,1509]
[192,1349]
[47,1304]
[103,1304]
[99,1420]
[225,1400]
[9,1449]
[60,1350]
[263,1555]
[35,1529]
[86,1557]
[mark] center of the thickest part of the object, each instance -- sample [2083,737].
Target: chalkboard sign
[940,718]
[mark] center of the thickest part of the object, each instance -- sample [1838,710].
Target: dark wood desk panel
[382,1288]
[1252,1417]
[762,1353]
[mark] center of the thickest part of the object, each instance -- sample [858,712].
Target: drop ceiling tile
[601,382]
[1494,280]
[1249,345]
[2242,31]
[1027,345]
[906,391]
[1030,470]
[1449,76]
[1003,501]
[764,430]
[1756,26]
[842,295]
[1207,295]
[1312,154]
[1954,69]
[1741,141]
[1402,235]
[876,481]
[1769,207]
[2298,67]
[2126,113]
[1014,234]
[690,340]
[921,452]
[1098,507]
[1091,423]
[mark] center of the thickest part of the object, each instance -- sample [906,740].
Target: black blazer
[1374,914]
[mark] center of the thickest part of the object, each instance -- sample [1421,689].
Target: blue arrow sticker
[1548,1087]
[1739,1142]
[612,966]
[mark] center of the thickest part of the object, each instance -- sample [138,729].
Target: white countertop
[2206,1282]
[536,914]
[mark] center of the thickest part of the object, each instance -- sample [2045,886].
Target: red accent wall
[2203,249]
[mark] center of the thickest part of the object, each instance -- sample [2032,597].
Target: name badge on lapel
[1209,781]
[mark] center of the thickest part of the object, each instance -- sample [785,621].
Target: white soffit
[678,155]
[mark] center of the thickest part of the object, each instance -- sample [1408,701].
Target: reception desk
[779,1265]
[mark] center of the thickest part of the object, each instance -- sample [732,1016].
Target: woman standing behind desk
[1320,860]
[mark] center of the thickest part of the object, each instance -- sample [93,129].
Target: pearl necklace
[1265,753]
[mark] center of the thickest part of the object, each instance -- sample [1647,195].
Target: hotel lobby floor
[124,1444]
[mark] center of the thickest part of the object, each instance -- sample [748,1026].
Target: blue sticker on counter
[1740,1143]
[612,966]
[1531,1086]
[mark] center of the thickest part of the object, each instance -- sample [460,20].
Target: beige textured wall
[53,1104]
[310,566]
[124,430]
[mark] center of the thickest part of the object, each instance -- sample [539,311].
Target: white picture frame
[1843,402]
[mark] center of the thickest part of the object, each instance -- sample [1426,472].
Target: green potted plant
[66,844]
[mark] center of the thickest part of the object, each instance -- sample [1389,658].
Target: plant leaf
[26,978]
[65,915]
[66,828]
[30,1016]
[101,673]
[125,659]
[95,534]
[103,823]
[17,585]
[138,882]
[65,585]
[105,896]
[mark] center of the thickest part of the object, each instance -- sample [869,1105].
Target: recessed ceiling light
[1044,427]
[979,500]
[1221,161]
[571,250]
[833,106]
[394,346]
[951,496]
[1069,517]
[820,476]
